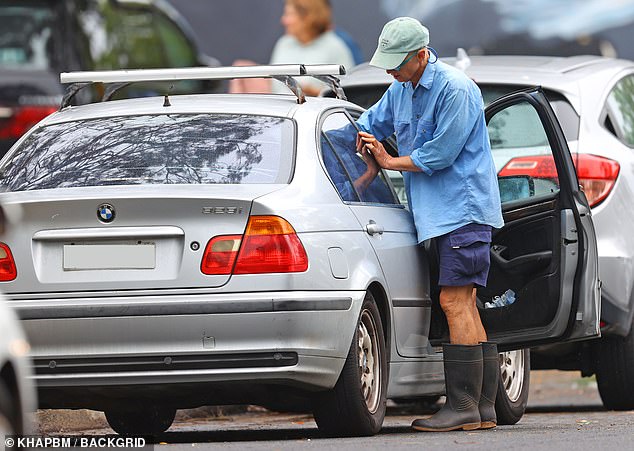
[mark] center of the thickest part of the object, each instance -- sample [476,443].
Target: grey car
[190,250]
[593,98]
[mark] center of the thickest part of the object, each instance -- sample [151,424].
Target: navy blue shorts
[464,256]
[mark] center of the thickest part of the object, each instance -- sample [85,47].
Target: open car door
[545,256]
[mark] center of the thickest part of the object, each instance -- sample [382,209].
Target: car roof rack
[117,79]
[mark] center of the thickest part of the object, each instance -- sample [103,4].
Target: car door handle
[373,228]
[521,263]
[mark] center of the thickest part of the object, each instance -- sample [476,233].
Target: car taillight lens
[269,245]
[220,254]
[596,175]
[22,119]
[7,264]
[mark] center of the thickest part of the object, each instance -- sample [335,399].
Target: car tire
[7,416]
[615,371]
[512,396]
[142,421]
[356,405]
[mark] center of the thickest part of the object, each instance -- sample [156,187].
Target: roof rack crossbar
[121,78]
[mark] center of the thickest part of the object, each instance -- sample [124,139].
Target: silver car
[17,391]
[182,251]
[593,98]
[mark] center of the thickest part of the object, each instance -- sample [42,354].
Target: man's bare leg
[482,335]
[459,305]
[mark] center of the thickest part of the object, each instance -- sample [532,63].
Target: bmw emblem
[105,213]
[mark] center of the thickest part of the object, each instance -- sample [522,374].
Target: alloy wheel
[512,373]
[369,361]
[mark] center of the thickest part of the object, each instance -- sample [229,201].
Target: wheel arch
[383,304]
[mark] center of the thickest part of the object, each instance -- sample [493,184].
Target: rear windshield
[154,149]
[26,34]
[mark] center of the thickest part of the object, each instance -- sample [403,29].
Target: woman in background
[309,39]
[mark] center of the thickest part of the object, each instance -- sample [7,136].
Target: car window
[26,35]
[365,95]
[621,110]
[522,154]
[121,36]
[566,114]
[154,149]
[346,167]
[179,52]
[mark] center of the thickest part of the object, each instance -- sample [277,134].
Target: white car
[593,98]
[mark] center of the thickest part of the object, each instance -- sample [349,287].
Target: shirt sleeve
[379,119]
[455,121]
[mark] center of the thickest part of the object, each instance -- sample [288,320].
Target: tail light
[7,264]
[22,119]
[596,175]
[269,245]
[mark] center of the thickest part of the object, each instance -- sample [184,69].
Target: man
[437,114]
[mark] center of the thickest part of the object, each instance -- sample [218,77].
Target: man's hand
[384,159]
[367,142]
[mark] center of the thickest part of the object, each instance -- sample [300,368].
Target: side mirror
[516,187]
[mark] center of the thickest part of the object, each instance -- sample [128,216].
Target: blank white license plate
[109,256]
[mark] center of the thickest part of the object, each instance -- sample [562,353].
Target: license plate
[79,257]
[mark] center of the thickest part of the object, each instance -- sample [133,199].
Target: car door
[545,255]
[389,227]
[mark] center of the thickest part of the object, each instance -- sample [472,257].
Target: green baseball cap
[399,37]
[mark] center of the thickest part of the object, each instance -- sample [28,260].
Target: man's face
[411,68]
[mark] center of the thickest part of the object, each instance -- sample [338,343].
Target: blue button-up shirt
[440,124]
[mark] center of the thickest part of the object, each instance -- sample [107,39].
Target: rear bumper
[288,338]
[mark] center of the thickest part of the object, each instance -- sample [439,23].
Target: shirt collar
[426,80]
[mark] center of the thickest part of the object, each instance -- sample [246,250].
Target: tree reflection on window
[152,149]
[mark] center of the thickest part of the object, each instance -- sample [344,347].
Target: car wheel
[142,421]
[512,396]
[356,405]
[615,371]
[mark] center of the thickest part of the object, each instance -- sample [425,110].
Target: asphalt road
[565,413]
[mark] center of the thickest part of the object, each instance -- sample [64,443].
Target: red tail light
[269,245]
[7,264]
[596,175]
[22,119]
[220,254]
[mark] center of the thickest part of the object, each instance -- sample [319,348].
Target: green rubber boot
[491,375]
[463,382]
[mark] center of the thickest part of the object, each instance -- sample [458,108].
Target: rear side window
[620,106]
[566,114]
[349,170]
[154,149]
[26,35]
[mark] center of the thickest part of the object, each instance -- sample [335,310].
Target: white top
[328,48]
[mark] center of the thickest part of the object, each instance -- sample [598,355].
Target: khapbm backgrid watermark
[77,442]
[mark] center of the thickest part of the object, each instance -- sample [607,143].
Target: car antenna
[166,101]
